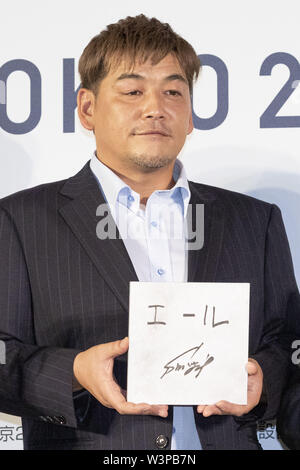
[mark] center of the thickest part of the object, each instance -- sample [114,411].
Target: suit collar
[112,185]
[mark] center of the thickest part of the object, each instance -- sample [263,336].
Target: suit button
[49,419]
[161,441]
[44,418]
[60,419]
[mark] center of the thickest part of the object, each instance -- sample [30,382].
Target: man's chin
[151,162]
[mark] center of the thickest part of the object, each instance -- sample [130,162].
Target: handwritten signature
[191,366]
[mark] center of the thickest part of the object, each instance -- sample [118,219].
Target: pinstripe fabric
[63,290]
[289,412]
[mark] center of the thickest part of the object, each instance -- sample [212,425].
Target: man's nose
[153,106]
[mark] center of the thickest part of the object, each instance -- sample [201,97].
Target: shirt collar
[114,188]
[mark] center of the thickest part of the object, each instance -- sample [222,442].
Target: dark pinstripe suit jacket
[63,290]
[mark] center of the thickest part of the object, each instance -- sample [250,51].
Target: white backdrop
[251,53]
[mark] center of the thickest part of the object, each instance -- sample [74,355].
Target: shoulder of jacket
[229,197]
[29,195]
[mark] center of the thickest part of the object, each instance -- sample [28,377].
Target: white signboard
[188,343]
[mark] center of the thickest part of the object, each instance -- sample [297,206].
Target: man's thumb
[115,348]
[121,346]
[124,343]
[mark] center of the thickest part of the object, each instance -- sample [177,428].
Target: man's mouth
[164,134]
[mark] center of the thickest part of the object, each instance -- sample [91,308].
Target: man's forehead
[167,65]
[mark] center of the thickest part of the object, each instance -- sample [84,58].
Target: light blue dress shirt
[154,236]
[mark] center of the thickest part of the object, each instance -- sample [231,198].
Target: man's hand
[93,370]
[255,384]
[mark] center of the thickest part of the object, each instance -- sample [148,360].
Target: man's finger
[200,408]
[210,410]
[228,408]
[251,368]
[115,397]
[222,408]
[142,409]
[114,348]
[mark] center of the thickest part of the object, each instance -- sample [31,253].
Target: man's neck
[147,182]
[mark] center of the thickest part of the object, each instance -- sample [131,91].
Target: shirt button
[154,224]
[160,271]
[130,198]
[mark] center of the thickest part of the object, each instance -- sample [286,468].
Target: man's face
[141,117]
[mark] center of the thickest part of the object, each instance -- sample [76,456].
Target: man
[288,420]
[64,296]
[288,416]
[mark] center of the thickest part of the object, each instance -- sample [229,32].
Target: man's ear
[85,108]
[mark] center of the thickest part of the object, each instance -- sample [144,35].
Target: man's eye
[133,93]
[174,92]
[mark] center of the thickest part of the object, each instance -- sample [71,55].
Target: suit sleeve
[280,289]
[35,381]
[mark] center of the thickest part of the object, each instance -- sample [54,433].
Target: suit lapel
[108,255]
[203,263]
